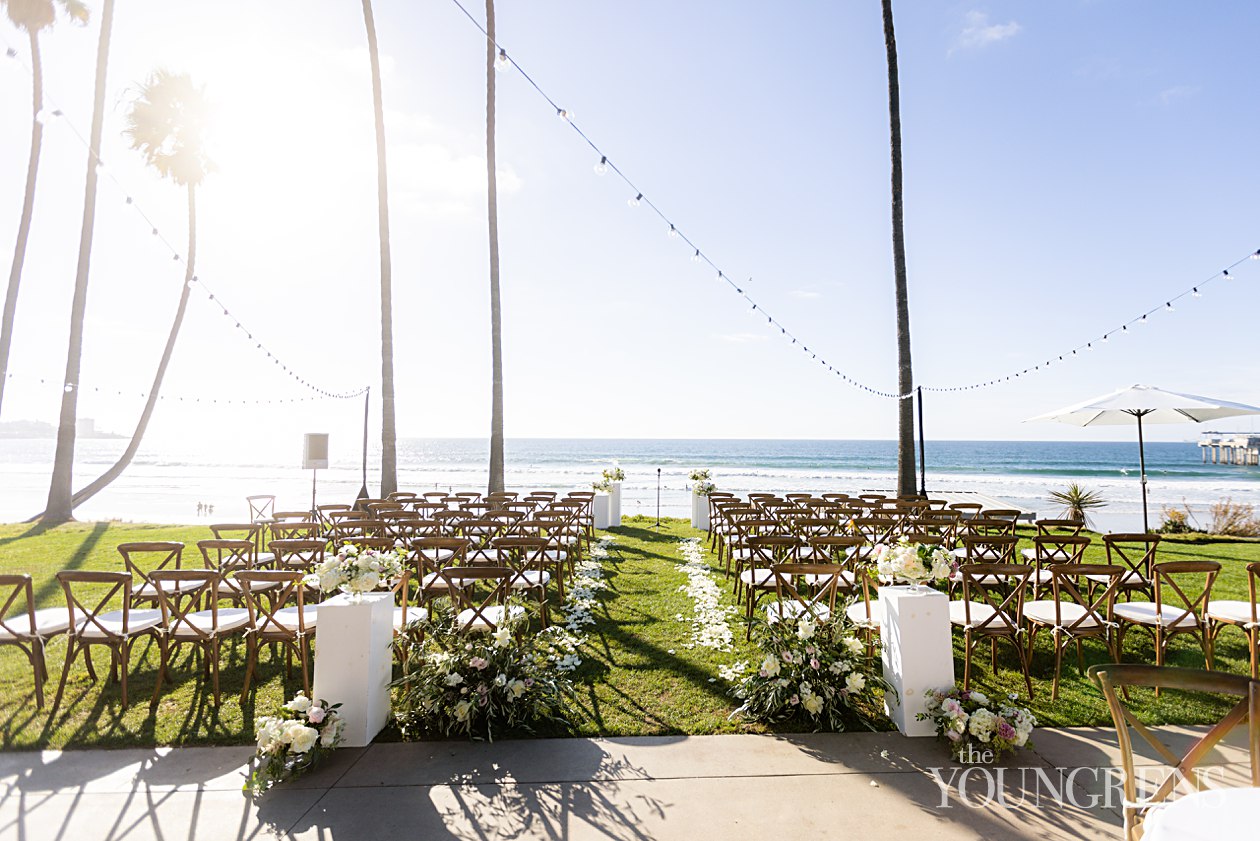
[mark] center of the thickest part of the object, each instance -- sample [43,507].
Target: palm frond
[168,123]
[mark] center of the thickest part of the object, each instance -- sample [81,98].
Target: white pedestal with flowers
[614,505]
[353,659]
[354,639]
[602,505]
[701,487]
[918,653]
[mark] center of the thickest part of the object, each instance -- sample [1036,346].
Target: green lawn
[638,677]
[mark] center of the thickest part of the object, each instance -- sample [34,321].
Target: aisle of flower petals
[581,599]
[709,625]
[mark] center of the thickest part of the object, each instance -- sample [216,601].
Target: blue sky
[1068,166]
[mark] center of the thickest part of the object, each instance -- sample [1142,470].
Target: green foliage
[1176,520]
[813,675]
[482,685]
[1236,519]
[1077,502]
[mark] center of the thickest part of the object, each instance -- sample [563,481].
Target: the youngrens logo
[979,787]
[971,756]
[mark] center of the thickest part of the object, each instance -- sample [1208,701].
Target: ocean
[166,483]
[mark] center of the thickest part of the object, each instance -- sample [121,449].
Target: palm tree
[496,315]
[167,124]
[60,507]
[905,373]
[31,16]
[389,453]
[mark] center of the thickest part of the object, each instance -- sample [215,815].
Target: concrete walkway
[823,786]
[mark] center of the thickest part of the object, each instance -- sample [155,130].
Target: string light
[1168,306]
[601,168]
[501,63]
[634,202]
[1196,293]
[673,232]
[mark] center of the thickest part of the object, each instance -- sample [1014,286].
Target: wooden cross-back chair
[1057,526]
[294,530]
[849,552]
[804,589]
[737,551]
[226,557]
[429,556]
[1138,803]
[143,557]
[322,513]
[1245,616]
[197,621]
[290,516]
[29,630]
[1134,553]
[90,623]
[532,568]
[757,577]
[875,530]
[479,534]
[272,619]
[1050,549]
[484,614]
[992,609]
[1074,614]
[298,555]
[966,510]
[1182,590]
[451,520]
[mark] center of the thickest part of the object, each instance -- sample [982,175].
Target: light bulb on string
[10,53]
[1256,256]
[1168,306]
[1225,274]
[1196,293]
[601,168]
[695,258]
[1106,338]
[720,277]
[673,232]
[501,63]
[1142,320]
[564,114]
[634,202]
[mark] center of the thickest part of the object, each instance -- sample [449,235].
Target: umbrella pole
[1146,526]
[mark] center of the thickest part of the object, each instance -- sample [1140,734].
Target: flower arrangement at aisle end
[483,685]
[357,571]
[978,730]
[702,482]
[913,563]
[293,741]
[813,673]
[609,477]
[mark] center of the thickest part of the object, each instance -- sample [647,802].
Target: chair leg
[163,653]
[213,657]
[124,659]
[251,655]
[1251,642]
[1058,665]
[36,659]
[303,645]
[87,658]
[65,672]
[967,661]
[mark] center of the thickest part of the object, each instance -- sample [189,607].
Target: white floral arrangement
[701,482]
[357,571]
[293,741]
[914,563]
[814,673]
[614,473]
[976,726]
[700,475]
[485,685]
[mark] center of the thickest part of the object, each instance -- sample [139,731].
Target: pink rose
[478,662]
[315,715]
[794,700]
[813,662]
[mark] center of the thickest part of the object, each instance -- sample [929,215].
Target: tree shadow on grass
[47,589]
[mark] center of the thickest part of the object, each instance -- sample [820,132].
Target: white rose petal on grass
[709,626]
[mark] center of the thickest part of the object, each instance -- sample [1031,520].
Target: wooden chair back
[298,554]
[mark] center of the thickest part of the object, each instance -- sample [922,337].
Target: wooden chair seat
[287,617]
[230,619]
[48,621]
[138,622]
[404,616]
[469,621]
[1233,612]
[981,613]
[858,615]
[1071,613]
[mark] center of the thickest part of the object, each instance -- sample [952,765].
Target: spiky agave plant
[1077,502]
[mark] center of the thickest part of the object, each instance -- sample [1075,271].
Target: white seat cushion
[493,613]
[230,619]
[1231,611]
[287,618]
[48,621]
[529,578]
[858,616]
[264,558]
[149,589]
[981,614]
[414,614]
[757,578]
[1042,612]
[847,579]
[138,622]
[791,610]
[1147,613]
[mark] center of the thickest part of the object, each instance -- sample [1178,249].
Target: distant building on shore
[84,428]
[1241,448]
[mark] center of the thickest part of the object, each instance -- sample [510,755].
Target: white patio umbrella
[1150,405]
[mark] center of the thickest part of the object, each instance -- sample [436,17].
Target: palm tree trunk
[60,508]
[28,209]
[389,455]
[905,373]
[137,436]
[496,315]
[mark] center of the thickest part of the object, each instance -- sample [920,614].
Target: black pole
[658,497]
[918,399]
[314,510]
[1146,526]
[367,398]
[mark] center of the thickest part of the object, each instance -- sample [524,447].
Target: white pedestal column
[614,515]
[353,658]
[601,505]
[917,651]
[699,511]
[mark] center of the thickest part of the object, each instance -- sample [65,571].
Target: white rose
[855,682]
[300,703]
[331,732]
[502,637]
[517,688]
[770,666]
[462,709]
[854,645]
[454,679]
[300,737]
[983,723]
[812,703]
[268,732]
[805,628]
